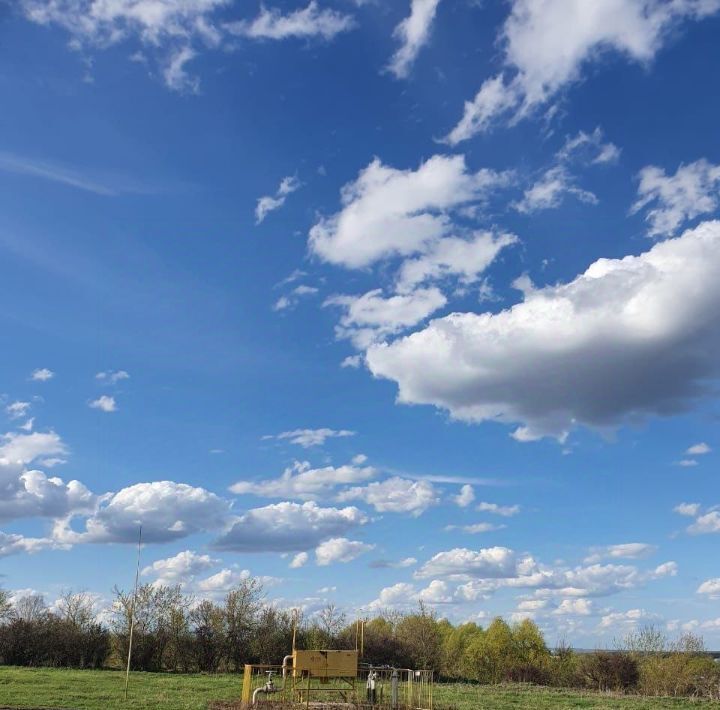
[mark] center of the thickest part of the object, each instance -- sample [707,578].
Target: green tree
[420,639]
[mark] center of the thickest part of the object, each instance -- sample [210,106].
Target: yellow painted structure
[325,664]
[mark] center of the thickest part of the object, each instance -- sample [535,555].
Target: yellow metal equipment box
[326,664]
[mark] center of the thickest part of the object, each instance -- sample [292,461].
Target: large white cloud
[166,511]
[302,481]
[542,56]
[388,212]
[32,494]
[395,495]
[629,337]
[288,527]
[414,33]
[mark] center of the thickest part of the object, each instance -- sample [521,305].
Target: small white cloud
[311,437]
[627,619]
[104,403]
[706,524]
[689,509]
[588,148]
[692,191]
[687,463]
[42,375]
[305,23]
[292,299]
[112,377]
[372,317]
[476,528]
[548,192]
[465,497]
[302,481]
[180,569]
[300,560]
[270,203]
[506,511]
[711,588]
[352,361]
[17,410]
[395,495]
[339,549]
[628,550]
[414,33]
[698,450]
[390,564]
[175,74]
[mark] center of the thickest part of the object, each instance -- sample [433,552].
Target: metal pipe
[285,666]
[257,690]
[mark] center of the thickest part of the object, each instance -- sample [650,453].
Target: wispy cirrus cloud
[175,33]
[87,179]
[413,33]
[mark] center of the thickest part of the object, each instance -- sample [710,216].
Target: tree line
[175,632]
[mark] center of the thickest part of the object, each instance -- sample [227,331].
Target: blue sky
[378,301]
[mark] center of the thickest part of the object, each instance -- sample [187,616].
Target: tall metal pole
[132,615]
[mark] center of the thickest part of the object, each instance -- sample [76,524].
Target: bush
[51,641]
[610,670]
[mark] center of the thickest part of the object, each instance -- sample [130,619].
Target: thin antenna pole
[132,615]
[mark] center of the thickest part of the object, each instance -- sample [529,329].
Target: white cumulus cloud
[629,337]
[388,211]
[339,549]
[288,527]
[395,495]
[42,374]
[105,403]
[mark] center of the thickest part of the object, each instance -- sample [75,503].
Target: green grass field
[103,690]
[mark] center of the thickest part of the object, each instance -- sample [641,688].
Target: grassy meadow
[103,690]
